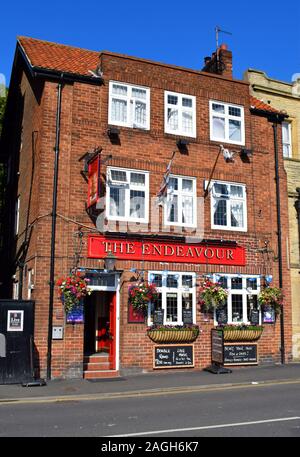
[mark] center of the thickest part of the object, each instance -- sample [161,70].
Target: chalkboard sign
[254,317]
[240,354]
[173,356]
[216,346]
[158,317]
[187,316]
[221,316]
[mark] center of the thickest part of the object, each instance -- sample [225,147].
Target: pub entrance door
[100,325]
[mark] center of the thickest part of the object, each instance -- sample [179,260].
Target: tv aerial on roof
[218,30]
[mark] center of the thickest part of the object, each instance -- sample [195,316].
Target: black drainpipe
[274,125]
[53,227]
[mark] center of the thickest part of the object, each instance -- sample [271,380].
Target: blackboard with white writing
[173,356]
[217,346]
[187,316]
[158,317]
[240,354]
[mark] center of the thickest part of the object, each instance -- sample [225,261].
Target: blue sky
[264,36]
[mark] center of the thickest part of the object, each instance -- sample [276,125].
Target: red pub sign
[165,251]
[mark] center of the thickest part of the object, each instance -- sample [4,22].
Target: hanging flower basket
[271,297]
[139,296]
[72,289]
[241,332]
[173,334]
[212,296]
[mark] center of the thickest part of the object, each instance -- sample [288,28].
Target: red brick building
[132,118]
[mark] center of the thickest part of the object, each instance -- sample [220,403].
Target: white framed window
[181,204]
[227,122]
[15,290]
[242,296]
[17,215]
[180,114]
[176,293]
[127,194]
[286,139]
[228,206]
[129,106]
[29,284]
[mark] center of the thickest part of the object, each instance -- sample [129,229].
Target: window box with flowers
[140,295]
[212,296]
[243,332]
[173,333]
[271,298]
[72,290]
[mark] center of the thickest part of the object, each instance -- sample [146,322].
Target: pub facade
[166,176]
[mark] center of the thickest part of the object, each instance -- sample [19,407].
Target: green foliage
[2,108]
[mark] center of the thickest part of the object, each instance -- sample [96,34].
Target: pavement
[154,383]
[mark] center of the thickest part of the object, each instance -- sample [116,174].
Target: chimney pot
[224,46]
[206,60]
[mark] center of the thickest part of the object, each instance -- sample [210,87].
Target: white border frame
[242,292]
[173,289]
[115,289]
[180,108]
[227,116]
[127,187]
[180,193]
[9,312]
[128,98]
[228,227]
[289,125]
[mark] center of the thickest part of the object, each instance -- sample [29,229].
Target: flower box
[242,334]
[185,335]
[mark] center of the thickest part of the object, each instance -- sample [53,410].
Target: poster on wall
[268,315]
[76,316]
[15,321]
[135,316]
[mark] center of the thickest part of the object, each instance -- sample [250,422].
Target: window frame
[128,187]
[227,117]
[179,290]
[17,215]
[130,100]
[289,144]
[244,200]
[180,195]
[180,131]
[242,292]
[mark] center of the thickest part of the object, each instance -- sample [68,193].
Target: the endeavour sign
[99,246]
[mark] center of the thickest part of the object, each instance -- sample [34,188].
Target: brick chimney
[220,63]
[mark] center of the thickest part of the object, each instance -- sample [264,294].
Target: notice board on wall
[173,356]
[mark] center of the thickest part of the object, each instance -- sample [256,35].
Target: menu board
[240,354]
[173,356]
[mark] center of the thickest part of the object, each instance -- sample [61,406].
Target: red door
[112,330]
